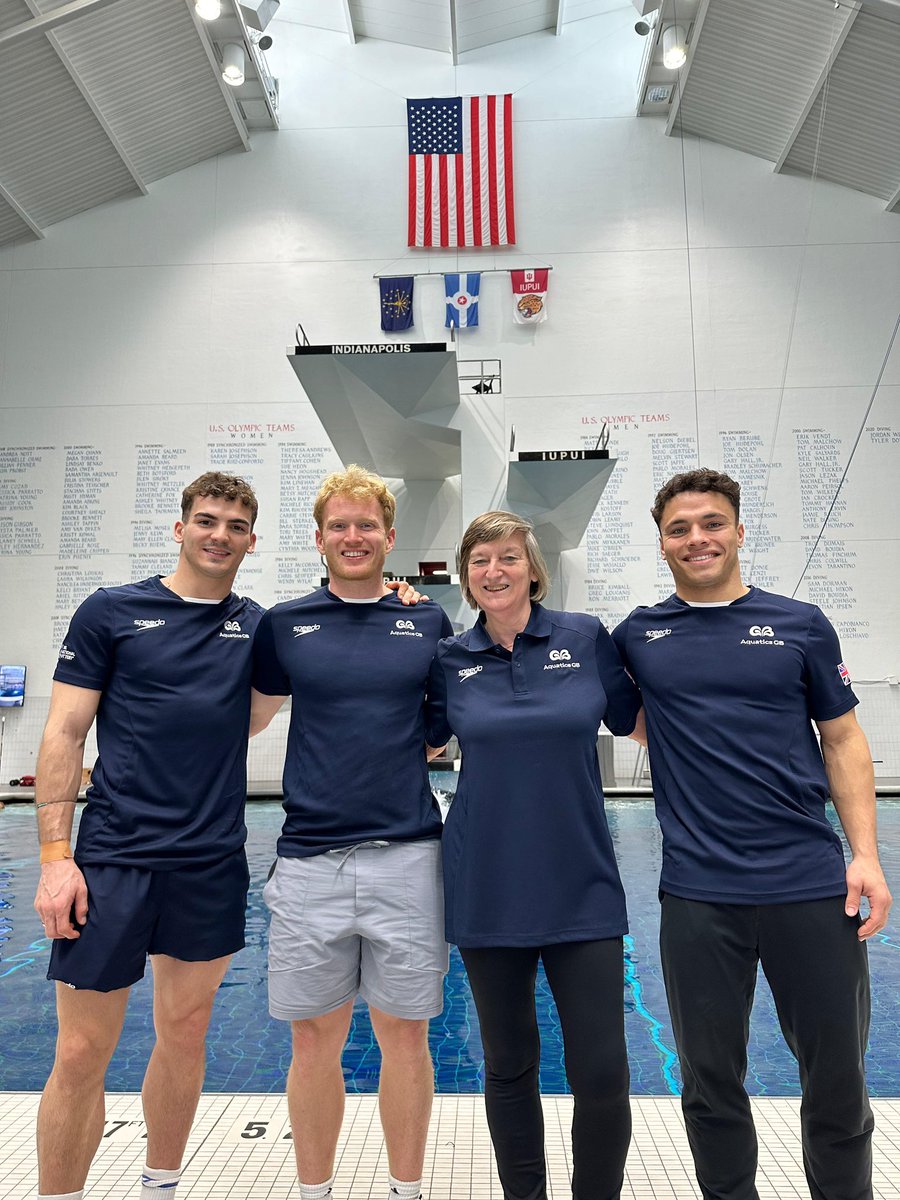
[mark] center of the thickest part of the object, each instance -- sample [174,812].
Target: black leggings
[586,979]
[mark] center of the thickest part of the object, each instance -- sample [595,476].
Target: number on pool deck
[255,1129]
[114,1127]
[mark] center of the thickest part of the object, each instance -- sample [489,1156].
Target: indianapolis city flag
[530,295]
[396,303]
[462,300]
[460,171]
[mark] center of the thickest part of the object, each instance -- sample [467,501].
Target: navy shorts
[193,913]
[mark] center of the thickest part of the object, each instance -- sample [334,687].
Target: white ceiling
[99,98]
[811,85]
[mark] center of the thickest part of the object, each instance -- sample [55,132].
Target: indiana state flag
[396,303]
[462,300]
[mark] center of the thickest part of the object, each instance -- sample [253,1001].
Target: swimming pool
[249,1052]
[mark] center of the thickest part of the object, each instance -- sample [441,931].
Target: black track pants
[818,972]
[586,979]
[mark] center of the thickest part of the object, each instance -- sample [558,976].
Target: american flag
[460,171]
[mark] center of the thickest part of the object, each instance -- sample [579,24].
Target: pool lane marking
[668,1055]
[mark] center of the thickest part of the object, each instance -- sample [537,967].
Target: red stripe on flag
[411,218]
[492,167]
[508,169]
[426,201]
[460,231]
[442,198]
[476,172]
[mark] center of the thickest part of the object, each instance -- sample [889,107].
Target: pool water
[250,1052]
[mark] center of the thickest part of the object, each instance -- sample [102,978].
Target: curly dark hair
[704,479]
[220,487]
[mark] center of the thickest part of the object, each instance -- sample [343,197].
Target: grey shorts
[365,922]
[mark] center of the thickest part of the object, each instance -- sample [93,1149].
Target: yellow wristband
[55,851]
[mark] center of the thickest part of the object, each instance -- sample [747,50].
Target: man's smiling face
[354,543]
[700,538]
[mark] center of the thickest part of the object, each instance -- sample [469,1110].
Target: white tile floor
[240,1147]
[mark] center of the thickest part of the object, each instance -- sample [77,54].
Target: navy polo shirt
[169,786]
[740,787]
[528,858]
[355,768]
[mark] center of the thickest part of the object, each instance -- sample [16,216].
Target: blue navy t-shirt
[355,768]
[740,787]
[528,857]
[169,785]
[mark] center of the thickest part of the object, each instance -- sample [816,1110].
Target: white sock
[315,1191]
[156,1183]
[60,1195]
[405,1190]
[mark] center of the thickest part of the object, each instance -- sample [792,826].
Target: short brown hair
[704,479]
[496,526]
[220,487]
[359,484]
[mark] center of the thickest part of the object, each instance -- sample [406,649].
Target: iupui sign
[561,455]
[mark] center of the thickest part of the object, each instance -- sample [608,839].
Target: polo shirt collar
[539,626]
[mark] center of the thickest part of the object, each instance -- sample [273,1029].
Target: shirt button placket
[519,682]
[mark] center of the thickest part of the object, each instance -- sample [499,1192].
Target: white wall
[694,294]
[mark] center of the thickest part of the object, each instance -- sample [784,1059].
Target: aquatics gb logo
[762,635]
[232,629]
[560,660]
[404,628]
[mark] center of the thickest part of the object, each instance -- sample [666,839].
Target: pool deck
[240,1147]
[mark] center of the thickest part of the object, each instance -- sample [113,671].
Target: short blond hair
[497,526]
[359,484]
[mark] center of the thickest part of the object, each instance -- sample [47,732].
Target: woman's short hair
[497,526]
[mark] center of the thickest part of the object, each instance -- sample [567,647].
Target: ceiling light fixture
[208,10]
[674,51]
[233,61]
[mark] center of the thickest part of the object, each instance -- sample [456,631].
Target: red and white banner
[530,295]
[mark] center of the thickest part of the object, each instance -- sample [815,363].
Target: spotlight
[265,42]
[646,24]
[233,64]
[673,43]
[208,10]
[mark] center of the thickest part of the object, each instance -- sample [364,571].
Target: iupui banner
[462,300]
[530,295]
[396,303]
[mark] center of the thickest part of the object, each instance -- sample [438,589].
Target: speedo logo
[299,630]
[560,659]
[468,672]
[150,624]
[404,629]
[232,629]
[761,635]
[653,635]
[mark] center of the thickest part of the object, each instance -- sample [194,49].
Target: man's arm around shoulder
[60,760]
[851,780]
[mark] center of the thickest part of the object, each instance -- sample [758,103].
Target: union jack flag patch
[844,674]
